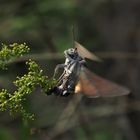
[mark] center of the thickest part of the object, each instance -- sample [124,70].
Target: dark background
[111,29]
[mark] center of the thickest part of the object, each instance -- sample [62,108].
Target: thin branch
[68,118]
[124,122]
[56,56]
[63,122]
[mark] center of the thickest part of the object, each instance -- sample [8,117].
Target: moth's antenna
[73,36]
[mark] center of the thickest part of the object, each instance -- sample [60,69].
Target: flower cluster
[25,85]
[14,102]
[8,53]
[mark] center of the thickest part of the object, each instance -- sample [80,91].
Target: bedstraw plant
[13,102]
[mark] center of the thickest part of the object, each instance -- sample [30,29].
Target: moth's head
[72,53]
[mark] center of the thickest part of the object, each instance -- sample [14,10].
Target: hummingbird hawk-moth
[76,78]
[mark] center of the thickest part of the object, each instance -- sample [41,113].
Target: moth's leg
[60,79]
[64,81]
[83,62]
[59,66]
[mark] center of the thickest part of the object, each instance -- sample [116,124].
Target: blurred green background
[111,29]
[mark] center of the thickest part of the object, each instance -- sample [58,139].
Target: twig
[63,122]
[125,125]
[56,56]
[68,118]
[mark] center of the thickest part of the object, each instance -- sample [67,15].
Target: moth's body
[78,79]
[70,76]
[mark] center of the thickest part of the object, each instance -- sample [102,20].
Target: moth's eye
[71,50]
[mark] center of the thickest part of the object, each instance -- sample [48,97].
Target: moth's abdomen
[59,92]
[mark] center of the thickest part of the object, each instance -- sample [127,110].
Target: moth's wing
[84,53]
[93,85]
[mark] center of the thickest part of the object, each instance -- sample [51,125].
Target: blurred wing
[93,85]
[84,53]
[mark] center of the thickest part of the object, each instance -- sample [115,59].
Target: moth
[77,78]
